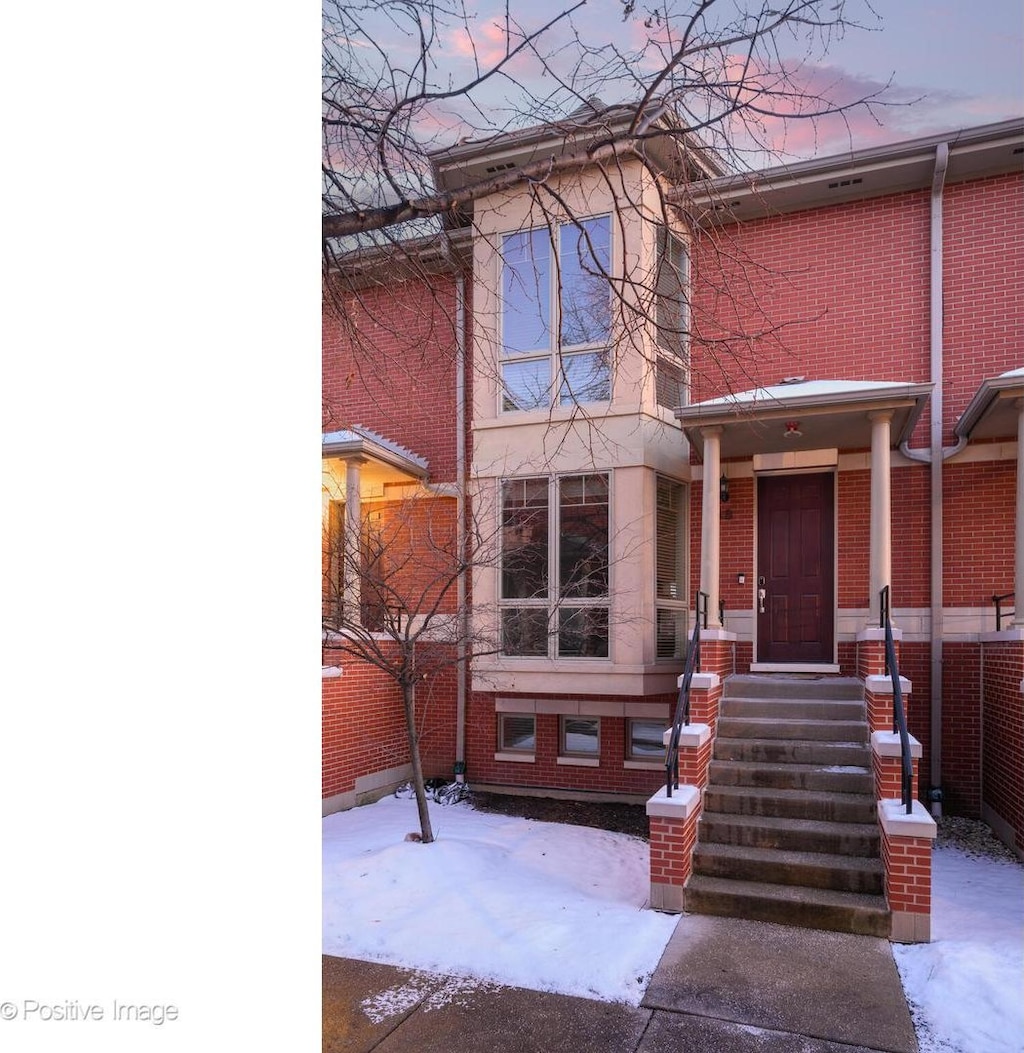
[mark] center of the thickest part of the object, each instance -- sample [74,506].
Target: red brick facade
[364,732]
[1003,736]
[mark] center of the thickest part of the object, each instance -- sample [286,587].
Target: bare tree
[390,600]
[402,80]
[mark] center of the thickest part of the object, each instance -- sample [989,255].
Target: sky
[549,900]
[947,65]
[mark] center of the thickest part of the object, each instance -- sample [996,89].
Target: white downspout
[935,456]
[460,476]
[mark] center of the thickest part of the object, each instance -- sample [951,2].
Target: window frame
[563,600]
[673,285]
[676,606]
[503,742]
[559,355]
[631,754]
[564,752]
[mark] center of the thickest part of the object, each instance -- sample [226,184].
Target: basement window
[645,740]
[579,739]
[517,733]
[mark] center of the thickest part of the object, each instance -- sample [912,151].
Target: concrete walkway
[722,986]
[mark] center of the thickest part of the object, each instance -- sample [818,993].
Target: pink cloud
[486,43]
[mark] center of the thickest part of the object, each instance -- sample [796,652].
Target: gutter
[935,456]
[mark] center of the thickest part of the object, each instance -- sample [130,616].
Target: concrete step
[779,867]
[791,804]
[793,729]
[854,912]
[780,751]
[799,835]
[794,686]
[829,778]
[793,709]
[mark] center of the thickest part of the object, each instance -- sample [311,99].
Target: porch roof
[384,461]
[801,414]
[994,411]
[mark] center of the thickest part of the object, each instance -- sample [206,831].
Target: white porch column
[880,566]
[710,525]
[353,532]
[1018,576]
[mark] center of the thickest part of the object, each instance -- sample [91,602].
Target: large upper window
[554,567]
[672,320]
[556,315]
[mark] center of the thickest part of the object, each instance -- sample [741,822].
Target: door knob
[761,595]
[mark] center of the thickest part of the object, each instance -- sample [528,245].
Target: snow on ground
[966,987]
[511,901]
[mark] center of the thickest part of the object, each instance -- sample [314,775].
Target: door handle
[761,595]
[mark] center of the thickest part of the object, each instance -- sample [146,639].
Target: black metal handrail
[682,714]
[1000,613]
[899,719]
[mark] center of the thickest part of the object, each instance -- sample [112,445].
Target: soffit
[994,412]
[973,154]
[827,414]
[665,145]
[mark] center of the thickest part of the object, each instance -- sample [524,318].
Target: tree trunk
[409,702]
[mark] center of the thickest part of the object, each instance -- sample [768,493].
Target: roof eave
[990,393]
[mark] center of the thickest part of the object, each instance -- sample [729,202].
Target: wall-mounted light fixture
[792,430]
[723,488]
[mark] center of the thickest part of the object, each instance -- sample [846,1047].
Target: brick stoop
[788,832]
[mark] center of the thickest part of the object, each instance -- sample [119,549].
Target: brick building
[651,382]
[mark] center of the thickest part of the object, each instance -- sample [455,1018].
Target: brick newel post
[673,820]
[907,858]
[906,839]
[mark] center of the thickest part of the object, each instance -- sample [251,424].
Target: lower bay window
[554,566]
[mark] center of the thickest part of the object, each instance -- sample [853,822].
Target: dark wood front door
[795,561]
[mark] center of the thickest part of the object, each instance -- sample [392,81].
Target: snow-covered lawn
[966,987]
[537,905]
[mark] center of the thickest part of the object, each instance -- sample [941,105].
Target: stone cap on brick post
[887,744]
[878,699]
[681,805]
[691,736]
[895,822]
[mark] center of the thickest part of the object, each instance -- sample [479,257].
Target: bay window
[556,315]
[554,567]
